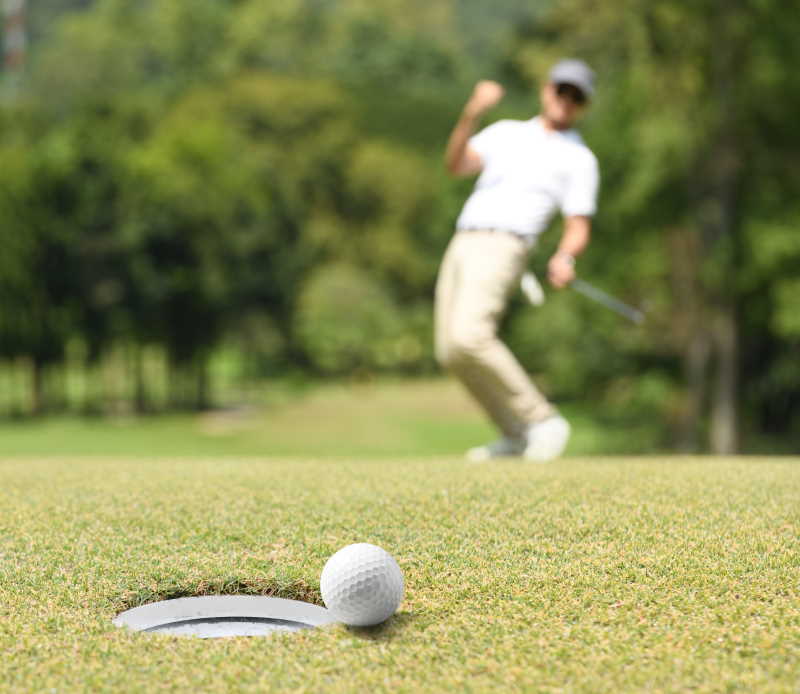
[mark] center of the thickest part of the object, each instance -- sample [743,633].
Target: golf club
[533,291]
[598,295]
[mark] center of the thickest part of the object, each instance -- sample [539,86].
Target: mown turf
[586,575]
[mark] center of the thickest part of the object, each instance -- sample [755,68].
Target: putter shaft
[606,300]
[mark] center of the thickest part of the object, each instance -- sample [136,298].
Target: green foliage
[121,50]
[190,175]
[695,209]
[347,322]
[787,316]
[391,198]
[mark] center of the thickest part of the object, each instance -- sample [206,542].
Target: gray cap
[574,72]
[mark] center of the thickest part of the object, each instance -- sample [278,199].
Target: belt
[525,238]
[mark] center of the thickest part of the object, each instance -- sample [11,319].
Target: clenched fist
[485,95]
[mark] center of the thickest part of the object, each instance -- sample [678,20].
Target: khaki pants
[479,272]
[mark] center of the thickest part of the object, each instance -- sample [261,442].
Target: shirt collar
[571,134]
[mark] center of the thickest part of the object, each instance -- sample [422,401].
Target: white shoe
[502,448]
[547,439]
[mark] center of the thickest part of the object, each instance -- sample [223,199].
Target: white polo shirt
[529,173]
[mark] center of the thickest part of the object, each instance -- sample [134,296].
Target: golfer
[529,170]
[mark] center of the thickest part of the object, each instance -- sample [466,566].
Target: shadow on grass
[274,588]
[384,631]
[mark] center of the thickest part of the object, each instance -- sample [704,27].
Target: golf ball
[362,584]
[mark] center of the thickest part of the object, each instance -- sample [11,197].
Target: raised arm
[574,239]
[460,159]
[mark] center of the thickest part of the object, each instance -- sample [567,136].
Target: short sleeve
[580,197]
[487,139]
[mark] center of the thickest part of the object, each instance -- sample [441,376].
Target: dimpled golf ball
[362,584]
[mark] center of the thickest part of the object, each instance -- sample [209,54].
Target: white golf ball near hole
[362,584]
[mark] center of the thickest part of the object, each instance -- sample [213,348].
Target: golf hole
[219,616]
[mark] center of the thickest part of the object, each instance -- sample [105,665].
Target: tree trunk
[140,399]
[724,432]
[722,235]
[690,331]
[695,362]
[726,176]
[202,386]
[37,387]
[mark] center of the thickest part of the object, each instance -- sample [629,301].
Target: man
[528,171]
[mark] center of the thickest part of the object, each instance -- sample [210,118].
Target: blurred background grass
[385,418]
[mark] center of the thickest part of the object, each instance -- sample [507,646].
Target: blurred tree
[216,206]
[121,51]
[372,337]
[179,174]
[686,92]
[37,274]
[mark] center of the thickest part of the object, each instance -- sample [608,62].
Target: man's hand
[561,270]
[485,95]
[575,238]
[460,158]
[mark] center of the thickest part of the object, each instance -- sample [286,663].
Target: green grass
[590,574]
[386,419]
[587,575]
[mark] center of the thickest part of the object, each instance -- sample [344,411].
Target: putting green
[586,575]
